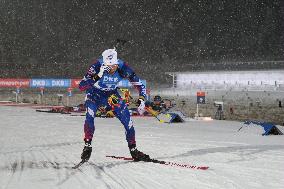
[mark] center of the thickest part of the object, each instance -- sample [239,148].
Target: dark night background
[59,39]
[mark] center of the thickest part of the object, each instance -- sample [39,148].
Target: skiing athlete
[100,84]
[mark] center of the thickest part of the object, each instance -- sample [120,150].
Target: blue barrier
[269,128]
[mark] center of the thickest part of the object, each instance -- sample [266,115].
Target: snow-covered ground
[38,150]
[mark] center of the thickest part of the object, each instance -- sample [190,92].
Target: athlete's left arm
[127,72]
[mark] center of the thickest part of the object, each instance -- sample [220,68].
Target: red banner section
[200,93]
[75,83]
[14,83]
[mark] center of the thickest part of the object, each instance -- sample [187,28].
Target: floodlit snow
[38,150]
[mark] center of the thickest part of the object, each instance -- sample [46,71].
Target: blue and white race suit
[98,92]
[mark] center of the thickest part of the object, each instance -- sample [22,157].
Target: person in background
[157,104]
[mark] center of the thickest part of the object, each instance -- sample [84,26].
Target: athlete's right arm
[91,77]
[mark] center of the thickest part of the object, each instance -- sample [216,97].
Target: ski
[173,164]
[79,164]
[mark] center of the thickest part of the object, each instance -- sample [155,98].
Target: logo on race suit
[130,124]
[91,112]
[108,80]
[91,70]
[110,57]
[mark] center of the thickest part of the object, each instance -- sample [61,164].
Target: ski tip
[120,157]
[203,168]
[128,158]
[76,167]
[79,164]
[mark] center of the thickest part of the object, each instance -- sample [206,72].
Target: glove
[141,105]
[87,151]
[103,69]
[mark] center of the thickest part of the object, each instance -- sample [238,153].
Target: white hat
[110,57]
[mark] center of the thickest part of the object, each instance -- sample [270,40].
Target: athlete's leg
[122,113]
[89,126]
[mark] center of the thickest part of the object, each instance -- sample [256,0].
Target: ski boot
[137,155]
[87,151]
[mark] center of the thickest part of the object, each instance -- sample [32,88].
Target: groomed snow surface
[38,150]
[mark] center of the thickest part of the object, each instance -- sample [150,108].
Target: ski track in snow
[39,150]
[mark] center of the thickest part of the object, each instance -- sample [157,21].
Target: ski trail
[123,172]
[68,175]
[43,157]
[22,166]
[105,172]
[69,172]
[12,168]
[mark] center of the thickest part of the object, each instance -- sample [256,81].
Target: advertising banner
[47,83]
[15,83]
[125,83]
[75,83]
